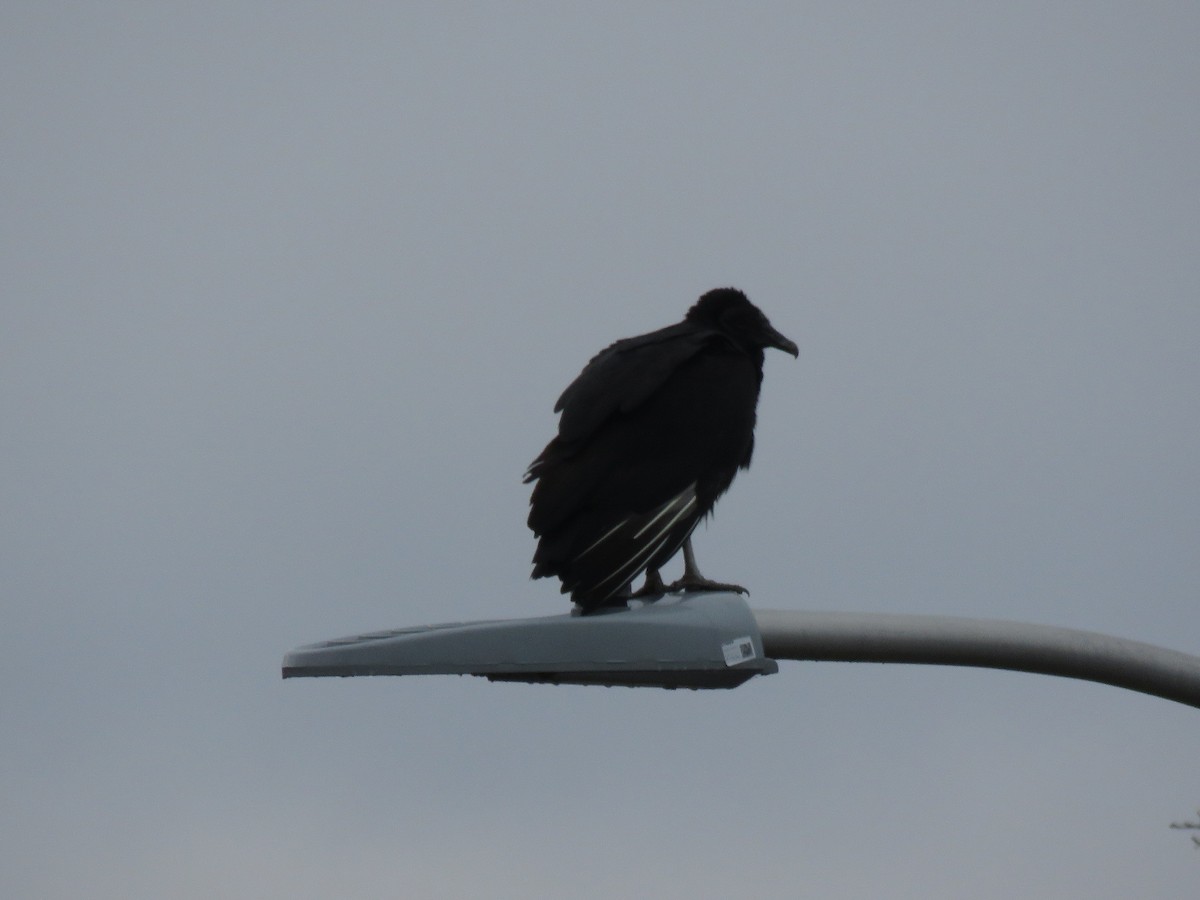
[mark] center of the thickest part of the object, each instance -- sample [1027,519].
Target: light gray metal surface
[693,641]
[954,641]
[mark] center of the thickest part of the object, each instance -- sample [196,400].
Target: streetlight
[714,640]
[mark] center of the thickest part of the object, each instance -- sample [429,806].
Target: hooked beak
[779,342]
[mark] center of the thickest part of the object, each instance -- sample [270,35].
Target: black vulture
[652,432]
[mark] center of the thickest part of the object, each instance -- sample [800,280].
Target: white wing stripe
[666,508]
[604,537]
[650,547]
[631,568]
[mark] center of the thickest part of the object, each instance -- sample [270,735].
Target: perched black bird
[652,433]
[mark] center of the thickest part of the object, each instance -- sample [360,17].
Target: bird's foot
[690,583]
[652,589]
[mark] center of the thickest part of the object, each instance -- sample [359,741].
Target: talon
[692,580]
[653,588]
[689,585]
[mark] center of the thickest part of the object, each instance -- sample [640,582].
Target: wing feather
[621,377]
[607,565]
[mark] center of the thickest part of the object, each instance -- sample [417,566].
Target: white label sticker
[738,650]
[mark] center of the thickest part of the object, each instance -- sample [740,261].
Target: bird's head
[730,312]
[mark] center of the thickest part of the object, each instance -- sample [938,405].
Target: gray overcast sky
[290,291]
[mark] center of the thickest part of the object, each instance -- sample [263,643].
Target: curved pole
[954,641]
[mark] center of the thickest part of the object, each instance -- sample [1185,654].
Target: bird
[651,434]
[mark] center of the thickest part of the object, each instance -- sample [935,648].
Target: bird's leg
[692,580]
[653,588]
